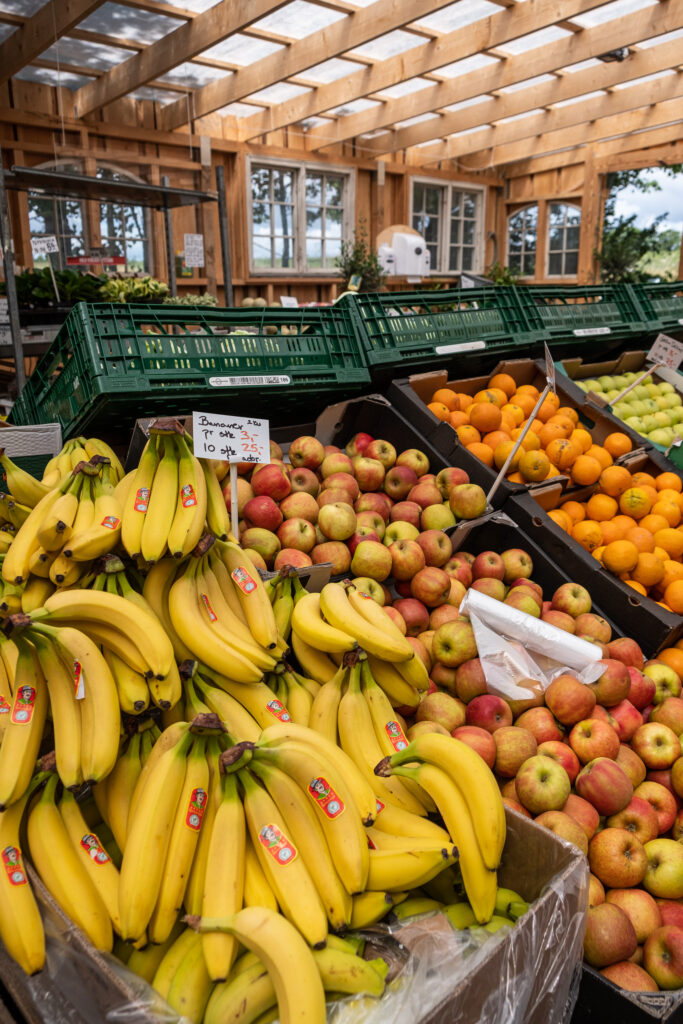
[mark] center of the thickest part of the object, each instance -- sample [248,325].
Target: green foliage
[190,300]
[35,289]
[122,288]
[501,275]
[358,257]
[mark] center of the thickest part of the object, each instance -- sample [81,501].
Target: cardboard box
[600,1000]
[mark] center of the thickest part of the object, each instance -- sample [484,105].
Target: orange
[670,495]
[505,382]
[564,422]
[516,478]
[572,414]
[653,523]
[575,510]
[534,465]
[588,534]
[531,442]
[672,571]
[507,422]
[464,400]
[673,596]
[661,553]
[664,606]
[528,389]
[468,435]
[562,452]
[493,397]
[515,411]
[482,451]
[561,518]
[485,416]
[602,456]
[550,432]
[637,586]
[495,438]
[620,556]
[524,401]
[672,657]
[448,397]
[668,510]
[441,411]
[614,481]
[635,502]
[601,507]
[672,542]
[643,478]
[582,438]
[547,410]
[553,471]
[501,452]
[649,569]
[611,531]
[626,522]
[642,539]
[500,395]
[617,444]
[585,470]
[652,492]
[668,481]
[458,419]
[598,552]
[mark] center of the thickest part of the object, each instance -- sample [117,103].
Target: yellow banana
[166,692]
[224,878]
[35,593]
[251,594]
[15,566]
[313,662]
[86,508]
[24,731]
[120,785]
[399,692]
[298,699]
[194,893]
[217,518]
[65,711]
[398,822]
[92,855]
[190,511]
[191,986]
[131,686]
[145,962]
[257,698]
[136,506]
[22,486]
[223,622]
[371,907]
[162,503]
[308,622]
[382,642]
[325,708]
[257,889]
[114,640]
[122,490]
[391,841]
[58,520]
[103,533]
[243,997]
[172,959]
[64,572]
[396,870]
[40,563]
[96,446]
[168,739]
[155,590]
[414,672]
[234,716]
[21,926]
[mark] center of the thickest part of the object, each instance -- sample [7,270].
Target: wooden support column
[159,265]
[591,208]
[18,211]
[205,216]
[93,231]
[541,267]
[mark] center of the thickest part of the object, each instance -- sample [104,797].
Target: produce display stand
[661,304]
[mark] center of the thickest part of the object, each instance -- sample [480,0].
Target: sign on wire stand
[666,351]
[43,246]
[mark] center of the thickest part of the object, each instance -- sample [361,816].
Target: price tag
[666,351]
[461,346]
[44,245]
[233,438]
[549,368]
[589,332]
[289,302]
[194,250]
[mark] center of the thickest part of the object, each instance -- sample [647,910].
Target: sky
[649,205]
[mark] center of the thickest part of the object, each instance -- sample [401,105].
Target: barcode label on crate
[247,382]
[588,332]
[463,346]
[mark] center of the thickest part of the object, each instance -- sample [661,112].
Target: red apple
[414,459]
[662,801]
[396,618]
[638,817]
[490,586]
[632,765]
[298,534]
[307,452]
[414,613]
[263,541]
[541,783]
[656,745]
[421,649]
[478,739]
[444,613]
[563,753]
[670,912]
[359,443]
[488,564]
[425,494]
[337,521]
[382,451]
[459,568]
[369,473]
[610,937]
[670,713]
[541,723]
[258,559]
[664,777]
[452,476]
[488,712]
[373,502]
[442,708]
[605,785]
[565,827]
[244,493]
[300,505]
[271,480]
[626,650]
[560,620]
[514,746]
[614,683]
[331,449]
[263,512]
[304,481]
[617,858]
[524,601]
[663,957]
[432,586]
[592,738]
[407,558]
[470,681]
[594,625]
[573,599]
[596,891]
[454,643]
[400,530]
[456,594]
[399,481]
[361,533]
[371,558]
[514,805]
[292,557]
[332,495]
[437,547]
[569,700]
[443,677]
[518,564]
[406,512]
[467,501]
[372,521]
[437,517]
[344,482]
[627,719]
[664,875]
[677,827]
[639,906]
[630,977]
[667,682]
[584,814]
[337,463]
[334,551]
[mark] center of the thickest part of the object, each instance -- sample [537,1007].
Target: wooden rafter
[50,22]
[343,35]
[508,24]
[542,60]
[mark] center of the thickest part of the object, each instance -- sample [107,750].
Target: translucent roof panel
[535,39]
[5,31]
[25,7]
[130,23]
[278,93]
[194,75]
[458,15]
[331,70]
[416,120]
[592,62]
[239,110]
[644,79]
[580,99]
[474,101]
[668,37]
[527,84]
[48,77]
[388,45]
[608,12]
[240,49]
[193,5]
[468,131]
[354,107]
[463,67]
[162,96]
[91,55]
[403,88]
[520,117]
[299,19]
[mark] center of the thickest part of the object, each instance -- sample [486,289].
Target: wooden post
[205,216]
[590,222]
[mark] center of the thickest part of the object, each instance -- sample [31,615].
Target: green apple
[665,388]
[620,381]
[638,407]
[662,418]
[648,379]
[663,436]
[661,401]
[653,390]
[650,423]
[605,382]
[636,423]
[612,394]
[593,385]
[664,875]
[650,404]
[640,391]
[582,384]
[622,410]
[672,401]
[676,414]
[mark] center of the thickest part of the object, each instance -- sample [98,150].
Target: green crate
[661,304]
[408,329]
[584,311]
[133,361]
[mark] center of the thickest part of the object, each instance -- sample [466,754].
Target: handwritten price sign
[232,438]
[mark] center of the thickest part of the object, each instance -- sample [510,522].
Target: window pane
[433,200]
[515,262]
[470,204]
[260,251]
[333,191]
[134,217]
[531,218]
[555,263]
[467,259]
[530,242]
[284,251]
[572,238]
[260,214]
[314,183]
[111,220]
[468,232]
[41,216]
[333,223]
[283,219]
[74,246]
[573,216]
[112,246]
[135,254]
[417,223]
[314,254]
[557,211]
[571,263]
[314,221]
[430,229]
[453,256]
[282,186]
[418,197]
[434,254]
[556,238]
[529,264]
[455,232]
[332,250]
[260,183]
[516,223]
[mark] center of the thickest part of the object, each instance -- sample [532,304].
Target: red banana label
[5,706]
[280,848]
[24,705]
[244,581]
[14,866]
[93,847]
[396,735]
[321,791]
[110,522]
[209,610]
[278,710]
[195,809]
[79,681]
[379,805]
[141,503]
[187,496]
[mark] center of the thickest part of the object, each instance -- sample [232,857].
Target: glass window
[522,230]
[62,218]
[427,216]
[324,213]
[564,224]
[449,218]
[123,229]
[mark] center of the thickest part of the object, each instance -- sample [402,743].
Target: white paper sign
[289,302]
[194,251]
[549,368]
[41,246]
[666,350]
[233,438]
[4,312]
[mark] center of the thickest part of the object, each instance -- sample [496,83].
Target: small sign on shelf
[44,245]
[194,251]
[232,438]
[666,351]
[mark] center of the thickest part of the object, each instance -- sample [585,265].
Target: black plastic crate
[600,1000]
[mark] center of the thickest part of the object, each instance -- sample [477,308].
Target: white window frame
[445,223]
[573,206]
[521,209]
[299,168]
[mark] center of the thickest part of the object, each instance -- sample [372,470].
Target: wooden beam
[544,59]
[551,121]
[343,35]
[207,29]
[49,23]
[510,23]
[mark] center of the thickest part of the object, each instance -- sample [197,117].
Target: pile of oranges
[489,423]
[633,524]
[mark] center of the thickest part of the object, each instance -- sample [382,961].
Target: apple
[664,875]
[571,598]
[342,481]
[563,753]
[617,858]
[656,745]
[425,494]
[432,586]
[304,481]
[467,501]
[667,682]
[632,764]
[371,558]
[610,937]
[414,613]
[263,512]
[564,827]
[527,592]
[382,451]
[450,477]
[421,648]
[337,521]
[459,568]
[671,912]
[371,521]
[454,644]
[332,495]
[437,547]
[406,512]
[437,517]
[533,699]
[470,681]
[642,689]
[638,817]
[670,713]
[442,708]
[662,801]
[332,449]
[478,739]
[291,557]
[358,444]
[444,613]
[298,534]
[591,739]
[457,593]
[514,746]
[639,906]
[488,712]
[630,977]
[307,452]
[541,783]
[440,675]
[407,558]
[521,581]
[569,700]
[361,533]
[627,650]
[677,777]
[614,683]
[372,588]
[488,564]
[414,459]
[373,502]
[603,715]
[518,564]
[491,587]
[300,505]
[334,551]
[664,777]
[605,785]
[583,813]
[595,626]
[396,618]
[560,620]
[541,723]
[271,480]
[339,462]
[400,531]
[663,957]
[421,727]
[263,541]
[244,492]
[399,481]
[628,719]
[369,473]
[596,891]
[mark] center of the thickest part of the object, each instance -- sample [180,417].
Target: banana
[283,952]
[15,566]
[399,692]
[371,907]
[5,699]
[223,621]
[282,864]
[149,831]
[325,707]
[64,572]
[120,785]
[168,739]
[131,686]
[257,698]
[224,878]
[345,972]
[510,904]
[379,840]
[396,870]
[298,700]
[234,716]
[309,838]
[22,486]
[92,855]
[35,593]
[190,510]
[145,962]
[476,783]
[122,490]
[102,535]
[415,906]
[194,893]
[393,820]
[162,502]
[308,622]
[136,506]
[380,641]
[217,518]
[113,639]
[95,446]
[24,732]
[62,871]
[191,986]
[166,692]
[283,606]
[40,563]
[257,889]
[172,959]
[414,672]
[56,526]
[86,508]
[65,711]
[21,926]
[182,843]
[155,590]
[314,663]
[460,915]
[251,594]
[243,997]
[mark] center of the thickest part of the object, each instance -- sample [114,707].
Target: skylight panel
[240,49]
[239,110]
[579,99]
[388,45]
[63,79]
[473,101]
[331,70]
[535,39]
[299,19]
[403,88]
[463,67]
[582,65]
[415,120]
[25,7]
[467,131]
[528,83]
[668,37]
[130,23]
[608,12]
[644,79]
[193,75]
[278,93]
[193,5]
[458,15]
[92,55]
[520,117]
[163,96]
[353,107]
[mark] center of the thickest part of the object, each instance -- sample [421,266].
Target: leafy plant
[126,288]
[190,300]
[35,289]
[501,275]
[358,257]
